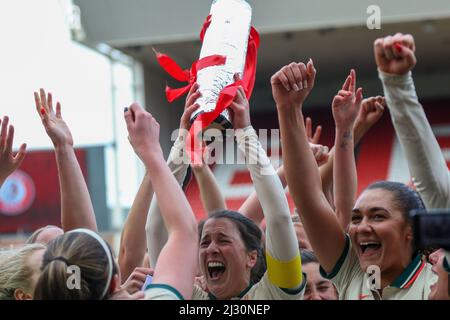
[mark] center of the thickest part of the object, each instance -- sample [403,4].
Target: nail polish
[398,47]
[42,111]
[125,109]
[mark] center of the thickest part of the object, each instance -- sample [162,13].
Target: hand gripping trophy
[229,47]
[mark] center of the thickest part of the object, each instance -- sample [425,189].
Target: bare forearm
[345,175]
[359,130]
[156,231]
[326,175]
[210,193]
[76,205]
[182,243]
[171,199]
[295,150]
[133,240]
[321,224]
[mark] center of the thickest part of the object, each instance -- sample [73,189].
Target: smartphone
[431,228]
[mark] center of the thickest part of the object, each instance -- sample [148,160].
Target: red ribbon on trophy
[226,95]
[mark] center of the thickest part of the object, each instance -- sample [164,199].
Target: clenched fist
[395,54]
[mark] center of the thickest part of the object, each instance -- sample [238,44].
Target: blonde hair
[15,273]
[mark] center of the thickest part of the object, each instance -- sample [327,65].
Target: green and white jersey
[263,290]
[353,283]
[162,292]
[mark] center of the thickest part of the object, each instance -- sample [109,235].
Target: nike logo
[363,296]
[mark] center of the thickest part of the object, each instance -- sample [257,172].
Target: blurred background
[96,57]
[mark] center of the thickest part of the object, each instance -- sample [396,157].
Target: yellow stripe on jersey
[287,275]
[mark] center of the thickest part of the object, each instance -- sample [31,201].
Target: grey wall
[95,161]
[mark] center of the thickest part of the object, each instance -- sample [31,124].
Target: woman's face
[379,232]
[317,287]
[439,290]
[223,258]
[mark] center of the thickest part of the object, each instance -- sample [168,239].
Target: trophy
[230,46]
[227,35]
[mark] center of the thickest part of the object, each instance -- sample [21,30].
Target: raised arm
[178,163]
[8,161]
[290,87]
[251,207]
[395,59]
[76,205]
[212,197]
[345,108]
[133,238]
[182,244]
[282,252]
[370,112]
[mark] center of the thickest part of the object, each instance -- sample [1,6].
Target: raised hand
[202,165]
[320,152]
[312,138]
[190,107]
[347,102]
[8,162]
[292,84]
[239,110]
[370,112]
[143,131]
[54,125]
[395,54]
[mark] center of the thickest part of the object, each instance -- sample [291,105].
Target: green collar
[410,274]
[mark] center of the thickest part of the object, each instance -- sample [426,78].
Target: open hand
[317,133]
[8,162]
[54,125]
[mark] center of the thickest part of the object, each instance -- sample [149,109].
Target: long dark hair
[405,198]
[251,236]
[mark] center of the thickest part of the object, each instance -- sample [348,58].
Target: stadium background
[333,33]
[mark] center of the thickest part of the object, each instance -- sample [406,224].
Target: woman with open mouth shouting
[374,258]
[231,254]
